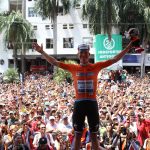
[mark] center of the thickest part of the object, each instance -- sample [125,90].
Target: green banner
[106,49]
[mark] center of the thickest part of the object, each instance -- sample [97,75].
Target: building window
[78,6]
[31,12]
[52,26]
[29,0]
[10,45]
[68,43]
[71,26]
[85,26]
[13,6]
[49,43]
[32,41]
[47,27]
[64,26]
[90,26]
[34,27]
[88,40]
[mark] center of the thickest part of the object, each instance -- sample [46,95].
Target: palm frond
[46,8]
[75,2]
[17,29]
[147,2]
[11,75]
[100,15]
[66,5]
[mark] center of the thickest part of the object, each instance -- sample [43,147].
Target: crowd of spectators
[36,114]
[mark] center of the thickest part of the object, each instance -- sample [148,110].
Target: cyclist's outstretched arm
[119,56]
[109,62]
[50,59]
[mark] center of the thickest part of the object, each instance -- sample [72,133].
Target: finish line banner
[106,49]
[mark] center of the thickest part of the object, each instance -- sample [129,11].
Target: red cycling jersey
[85,78]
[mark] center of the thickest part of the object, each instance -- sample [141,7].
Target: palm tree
[11,75]
[100,15]
[130,14]
[147,20]
[135,13]
[50,9]
[17,33]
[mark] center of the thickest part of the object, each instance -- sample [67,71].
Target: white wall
[4,5]
[77,33]
[3,55]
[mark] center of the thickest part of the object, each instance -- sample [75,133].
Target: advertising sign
[105,48]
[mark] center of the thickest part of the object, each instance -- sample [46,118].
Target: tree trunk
[55,35]
[23,61]
[15,58]
[24,9]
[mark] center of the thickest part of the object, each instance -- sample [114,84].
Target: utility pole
[142,63]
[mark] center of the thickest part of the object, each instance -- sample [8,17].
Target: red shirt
[34,125]
[147,124]
[142,132]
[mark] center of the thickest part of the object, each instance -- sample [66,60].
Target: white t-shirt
[64,128]
[50,140]
[133,128]
[50,127]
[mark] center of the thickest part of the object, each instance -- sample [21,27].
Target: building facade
[71,31]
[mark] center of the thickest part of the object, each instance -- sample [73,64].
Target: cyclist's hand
[37,47]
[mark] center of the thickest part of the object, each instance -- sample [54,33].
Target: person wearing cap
[11,119]
[34,123]
[65,126]
[52,125]
[85,83]
[47,104]
[42,134]
[46,115]
[25,116]
[43,144]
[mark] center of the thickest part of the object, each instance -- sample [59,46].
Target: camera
[123,130]
[64,137]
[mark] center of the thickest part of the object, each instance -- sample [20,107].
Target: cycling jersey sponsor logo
[81,74]
[85,86]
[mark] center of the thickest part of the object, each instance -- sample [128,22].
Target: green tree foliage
[17,31]
[61,75]
[11,75]
[147,19]
[102,15]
